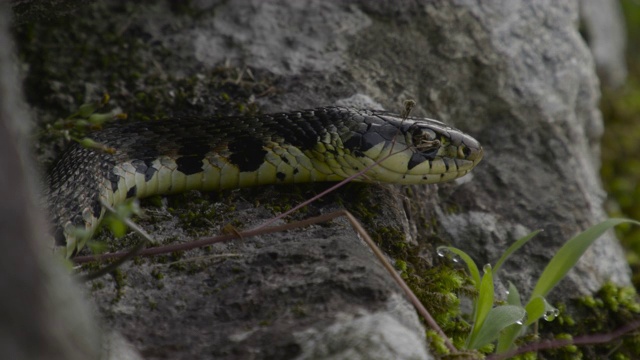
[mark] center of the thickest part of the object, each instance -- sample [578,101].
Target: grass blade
[471,265]
[570,253]
[483,305]
[515,246]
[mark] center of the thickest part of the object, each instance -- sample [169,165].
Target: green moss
[97,285]
[437,287]
[119,278]
[526,356]
[91,266]
[157,274]
[401,265]
[436,343]
[300,311]
[607,310]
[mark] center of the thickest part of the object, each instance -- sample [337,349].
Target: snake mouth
[410,165]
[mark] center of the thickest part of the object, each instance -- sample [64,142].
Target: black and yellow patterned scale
[175,155]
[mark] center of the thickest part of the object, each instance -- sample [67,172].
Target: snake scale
[174,155]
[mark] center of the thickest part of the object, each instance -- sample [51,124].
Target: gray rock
[603,24]
[516,74]
[44,315]
[366,336]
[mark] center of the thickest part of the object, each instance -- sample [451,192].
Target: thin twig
[206,241]
[412,297]
[315,220]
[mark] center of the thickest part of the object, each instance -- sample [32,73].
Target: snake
[216,153]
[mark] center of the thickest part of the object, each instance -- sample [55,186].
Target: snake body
[175,155]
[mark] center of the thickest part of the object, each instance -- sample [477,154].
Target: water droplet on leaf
[550,315]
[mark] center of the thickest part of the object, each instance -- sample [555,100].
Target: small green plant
[505,323]
[87,118]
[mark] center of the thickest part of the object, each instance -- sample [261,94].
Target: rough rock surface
[516,74]
[43,314]
[604,28]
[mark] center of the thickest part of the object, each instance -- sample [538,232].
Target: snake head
[418,150]
[439,152]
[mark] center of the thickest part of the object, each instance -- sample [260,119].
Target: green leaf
[508,336]
[85,110]
[117,227]
[536,308]
[515,246]
[539,308]
[471,265]
[570,253]
[483,305]
[99,119]
[513,297]
[497,319]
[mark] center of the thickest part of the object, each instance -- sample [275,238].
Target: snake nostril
[466,151]
[474,155]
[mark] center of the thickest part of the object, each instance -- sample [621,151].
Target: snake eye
[424,134]
[425,140]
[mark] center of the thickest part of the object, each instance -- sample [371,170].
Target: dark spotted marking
[150,170]
[247,153]
[281,176]
[386,131]
[416,159]
[295,171]
[140,166]
[430,153]
[354,142]
[189,165]
[96,207]
[359,143]
[192,159]
[372,139]
[58,235]
[132,192]
[114,179]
